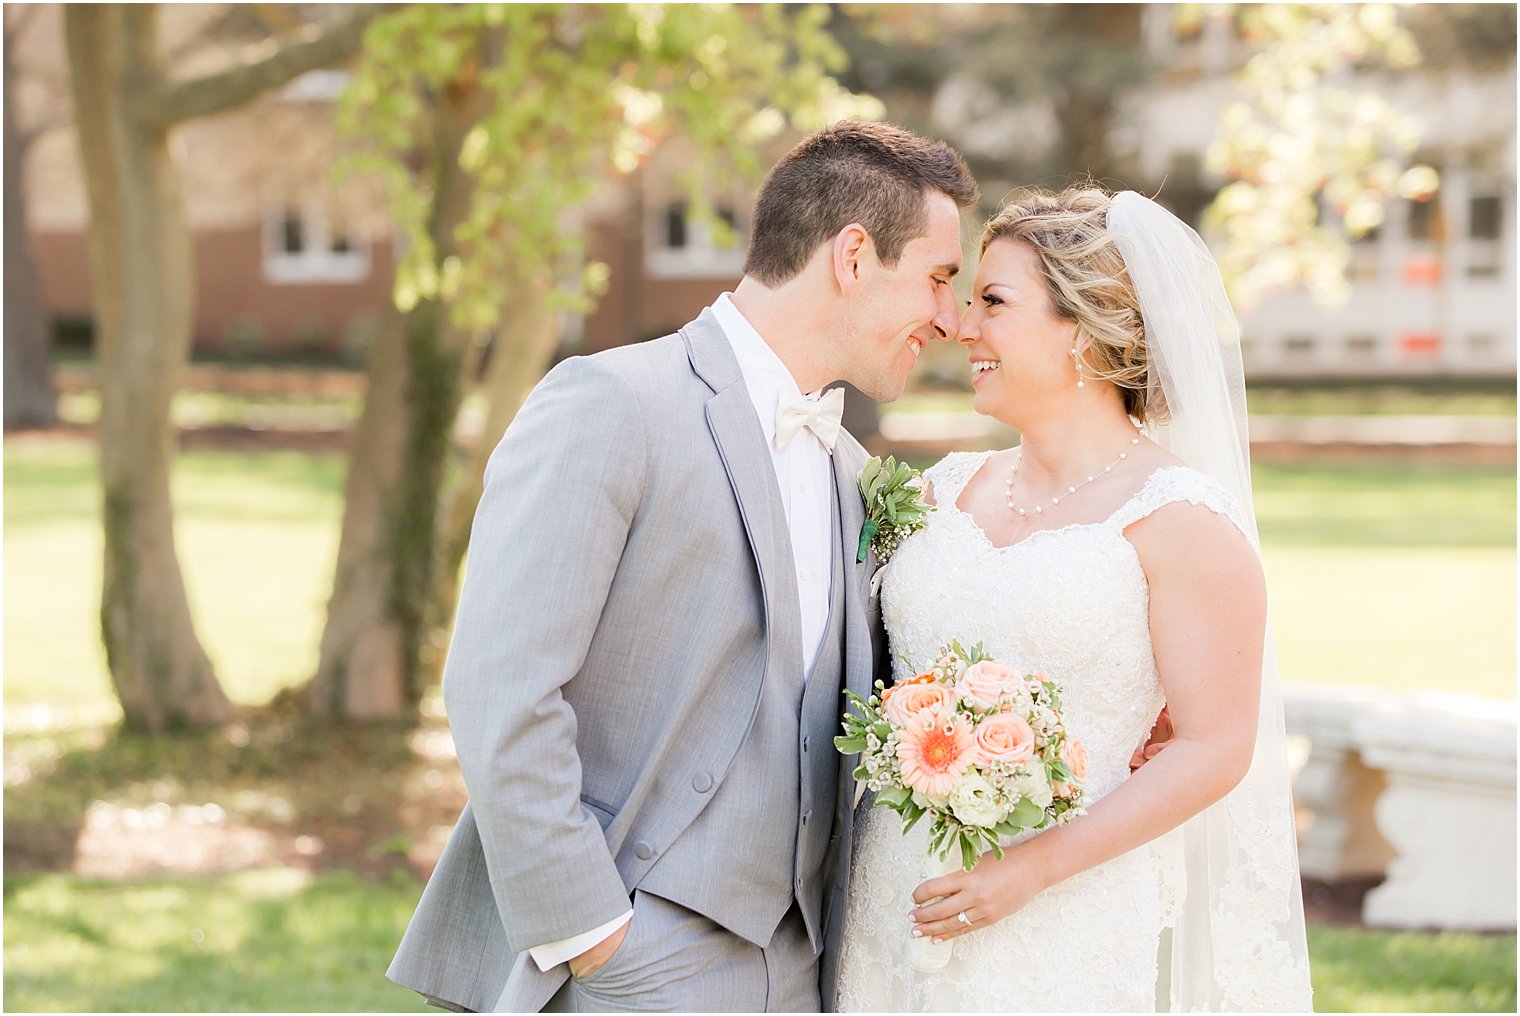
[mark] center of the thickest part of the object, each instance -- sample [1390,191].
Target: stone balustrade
[1419,787]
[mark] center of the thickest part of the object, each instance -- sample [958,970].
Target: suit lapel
[859,664]
[741,445]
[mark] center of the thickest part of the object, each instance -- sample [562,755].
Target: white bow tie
[794,412]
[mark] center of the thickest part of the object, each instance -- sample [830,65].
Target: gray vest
[761,841]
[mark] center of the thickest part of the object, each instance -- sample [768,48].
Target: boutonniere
[894,510]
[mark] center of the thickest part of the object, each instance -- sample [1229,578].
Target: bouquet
[974,745]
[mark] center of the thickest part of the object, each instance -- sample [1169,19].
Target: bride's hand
[986,894]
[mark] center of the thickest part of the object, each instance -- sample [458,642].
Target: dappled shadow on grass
[277,787]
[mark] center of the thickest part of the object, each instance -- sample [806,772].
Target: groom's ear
[852,251]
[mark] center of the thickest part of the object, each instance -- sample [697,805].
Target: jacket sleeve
[561,491]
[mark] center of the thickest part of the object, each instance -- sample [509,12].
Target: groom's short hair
[876,174]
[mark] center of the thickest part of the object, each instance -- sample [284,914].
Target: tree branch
[175,101]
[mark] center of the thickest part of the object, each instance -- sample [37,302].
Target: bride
[1122,561]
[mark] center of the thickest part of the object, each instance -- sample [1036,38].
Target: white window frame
[317,263]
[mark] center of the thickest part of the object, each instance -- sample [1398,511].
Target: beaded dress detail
[1072,602]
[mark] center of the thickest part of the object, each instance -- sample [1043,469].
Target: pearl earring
[1081,378]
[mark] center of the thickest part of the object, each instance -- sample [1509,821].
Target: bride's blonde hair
[1085,274]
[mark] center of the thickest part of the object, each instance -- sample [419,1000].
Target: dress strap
[950,474]
[1171,484]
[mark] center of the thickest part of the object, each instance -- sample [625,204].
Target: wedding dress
[1071,602]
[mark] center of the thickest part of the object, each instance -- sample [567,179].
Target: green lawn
[1399,579]
[1425,398]
[282,939]
[271,940]
[1393,578]
[1378,971]
[258,538]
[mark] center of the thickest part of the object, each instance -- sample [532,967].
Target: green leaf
[895,796]
[850,745]
[1027,814]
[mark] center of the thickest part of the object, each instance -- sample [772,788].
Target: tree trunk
[29,397]
[369,662]
[140,257]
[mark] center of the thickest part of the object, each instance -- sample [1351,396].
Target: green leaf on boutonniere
[894,508]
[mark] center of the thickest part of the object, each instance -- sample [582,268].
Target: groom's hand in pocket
[593,959]
[1161,736]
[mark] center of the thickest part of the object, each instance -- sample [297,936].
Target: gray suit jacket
[623,600]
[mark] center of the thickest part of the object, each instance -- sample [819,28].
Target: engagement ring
[961,917]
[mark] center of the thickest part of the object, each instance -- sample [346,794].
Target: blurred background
[278,276]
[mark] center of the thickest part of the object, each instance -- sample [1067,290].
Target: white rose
[974,802]
[1035,788]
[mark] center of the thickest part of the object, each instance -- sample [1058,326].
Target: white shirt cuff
[552,954]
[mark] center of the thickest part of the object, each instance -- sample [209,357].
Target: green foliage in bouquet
[867,730]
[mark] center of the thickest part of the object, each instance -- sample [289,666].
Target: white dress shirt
[804,477]
[804,474]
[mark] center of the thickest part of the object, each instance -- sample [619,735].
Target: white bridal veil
[1238,944]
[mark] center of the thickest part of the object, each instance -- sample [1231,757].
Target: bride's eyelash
[990,300]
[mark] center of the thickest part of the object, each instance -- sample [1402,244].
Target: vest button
[643,851]
[805,816]
[701,783]
[805,743]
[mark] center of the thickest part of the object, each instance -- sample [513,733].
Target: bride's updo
[1085,274]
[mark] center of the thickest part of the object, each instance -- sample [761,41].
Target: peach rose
[1074,754]
[903,701]
[1062,790]
[985,682]
[1005,737]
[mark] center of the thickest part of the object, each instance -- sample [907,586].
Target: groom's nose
[946,322]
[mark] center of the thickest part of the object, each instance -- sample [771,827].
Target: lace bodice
[1072,602]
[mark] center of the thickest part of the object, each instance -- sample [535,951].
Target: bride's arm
[1207,622]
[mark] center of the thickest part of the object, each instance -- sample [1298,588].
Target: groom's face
[901,309]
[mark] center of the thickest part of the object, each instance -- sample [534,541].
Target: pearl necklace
[1039,509]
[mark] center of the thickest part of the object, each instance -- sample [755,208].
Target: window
[305,241]
[1361,348]
[1485,229]
[688,246]
[1299,347]
[1484,219]
[675,227]
[1365,259]
[1425,221]
[1483,346]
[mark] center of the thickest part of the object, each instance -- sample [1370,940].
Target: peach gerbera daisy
[935,748]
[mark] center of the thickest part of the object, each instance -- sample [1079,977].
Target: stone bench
[1419,787]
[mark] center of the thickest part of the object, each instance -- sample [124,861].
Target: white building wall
[1445,306]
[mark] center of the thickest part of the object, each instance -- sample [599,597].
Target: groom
[661,609]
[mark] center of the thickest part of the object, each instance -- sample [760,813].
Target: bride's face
[1018,346]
